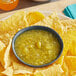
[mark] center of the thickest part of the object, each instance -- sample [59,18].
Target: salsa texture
[37,47]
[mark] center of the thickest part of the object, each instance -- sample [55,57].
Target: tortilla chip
[72,48]
[54,16]
[2,51]
[71,62]
[45,22]
[56,23]
[22,72]
[5,37]
[73,73]
[13,23]
[67,66]
[65,69]
[54,70]
[21,68]
[22,75]
[70,36]
[2,45]
[5,56]
[1,69]
[18,75]
[71,23]
[34,17]
[8,71]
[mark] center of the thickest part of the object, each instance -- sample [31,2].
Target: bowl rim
[37,27]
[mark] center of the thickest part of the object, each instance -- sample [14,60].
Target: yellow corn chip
[72,48]
[56,24]
[1,69]
[71,62]
[21,68]
[45,22]
[22,75]
[5,37]
[34,17]
[70,36]
[70,23]
[14,23]
[5,56]
[65,69]
[73,73]
[54,70]
[8,71]
[2,51]
[19,75]
[2,45]
[22,72]
[54,16]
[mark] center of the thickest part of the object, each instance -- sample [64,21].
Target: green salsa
[37,47]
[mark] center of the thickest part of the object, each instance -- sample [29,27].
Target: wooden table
[57,6]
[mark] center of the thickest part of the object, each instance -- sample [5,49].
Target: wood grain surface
[57,6]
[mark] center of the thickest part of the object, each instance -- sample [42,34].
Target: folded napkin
[70,11]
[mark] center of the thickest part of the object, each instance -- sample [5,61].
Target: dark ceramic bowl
[37,27]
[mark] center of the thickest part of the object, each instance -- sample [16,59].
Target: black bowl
[37,27]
